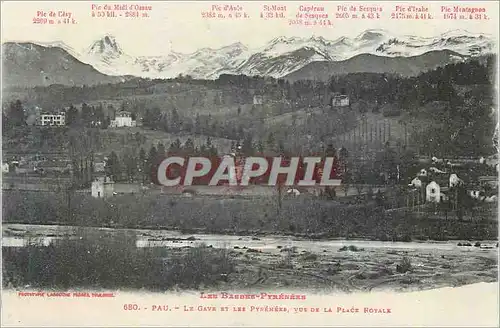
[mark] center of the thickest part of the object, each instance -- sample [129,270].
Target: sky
[179,26]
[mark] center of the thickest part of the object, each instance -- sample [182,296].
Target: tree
[260,147]
[369,194]
[175,121]
[445,90]
[281,148]
[379,198]
[153,155]
[197,124]
[143,164]
[330,151]
[99,116]
[189,146]
[161,149]
[72,116]
[106,122]
[209,142]
[146,118]
[113,167]
[389,164]
[241,132]
[239,110]
[155,117]
[330,193]
[271,140]
[175,146]
[209,149]
[16,115]
[86,114]
[151,161]
[343,154]
[212,151]
[359,181]
[130,163]
[247,146]
[111,112]
[343,160]
[5,124]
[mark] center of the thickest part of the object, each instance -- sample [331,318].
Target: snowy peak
[235,49]
[463,33]
[107,56]
[277,58]
[372,35]
[460,41]
[107,45]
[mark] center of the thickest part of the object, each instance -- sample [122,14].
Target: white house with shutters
[53,119]
[123,119]
[339,100]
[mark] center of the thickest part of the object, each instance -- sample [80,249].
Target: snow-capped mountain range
[278,58]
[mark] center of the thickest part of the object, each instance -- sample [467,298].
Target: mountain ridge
[29,64]
[406,66]
[282,55]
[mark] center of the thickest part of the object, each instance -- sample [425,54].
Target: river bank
[232,262]
[18,235]
[301,217]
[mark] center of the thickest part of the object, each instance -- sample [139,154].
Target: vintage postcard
[250,163]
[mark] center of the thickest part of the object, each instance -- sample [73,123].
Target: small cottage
[258,100]
[492,181]
[433,192]
[339,100]
[422,173]
[5,168]
[455,180]
[102,187]
[416,183]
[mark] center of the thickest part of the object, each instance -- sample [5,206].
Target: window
[433,190]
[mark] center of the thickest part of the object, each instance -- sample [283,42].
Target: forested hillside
[446,111]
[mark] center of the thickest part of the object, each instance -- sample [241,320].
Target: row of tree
[141,165]
[88,116]
[381,87]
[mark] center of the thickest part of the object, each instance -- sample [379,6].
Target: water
[16,235]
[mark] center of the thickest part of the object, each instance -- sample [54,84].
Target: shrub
[333,269]
[286,261]
[310,257]
[404,266]
[98,260]
[351,248]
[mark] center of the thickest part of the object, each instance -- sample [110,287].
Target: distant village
[436,182]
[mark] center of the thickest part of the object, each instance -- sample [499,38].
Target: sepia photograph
[248,152]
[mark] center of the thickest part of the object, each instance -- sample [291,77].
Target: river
[18,235]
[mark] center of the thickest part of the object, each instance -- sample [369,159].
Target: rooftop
[60,113]
[104,180]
